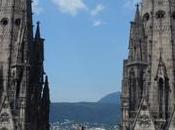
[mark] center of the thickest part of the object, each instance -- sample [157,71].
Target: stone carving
[4,117]
[144,121]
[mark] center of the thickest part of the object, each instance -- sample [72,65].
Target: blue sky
[85,44]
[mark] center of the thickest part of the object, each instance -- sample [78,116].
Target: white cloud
[72,7]
[97,10]
[36,7]
[97,23]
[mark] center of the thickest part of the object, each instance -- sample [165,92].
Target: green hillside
[85,112]
[106,111]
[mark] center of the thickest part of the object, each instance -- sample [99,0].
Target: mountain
[113,98]
[85,112]
[106,111]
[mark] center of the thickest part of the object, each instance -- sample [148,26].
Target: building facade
[24,89]
[148,86]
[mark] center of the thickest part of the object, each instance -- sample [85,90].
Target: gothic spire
[28,17]
[137,15]
[136,24]
[136,37]
[46,91]
[161,70]
[39,45]
[37,34]
[46,105]
[151,56]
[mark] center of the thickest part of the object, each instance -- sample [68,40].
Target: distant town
[72,125]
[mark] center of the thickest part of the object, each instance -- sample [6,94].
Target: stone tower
[148,86]
[24,90]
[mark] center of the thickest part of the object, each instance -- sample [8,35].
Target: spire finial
[137,5]
[38,22]
[46,85]
[37,35]
[137,15]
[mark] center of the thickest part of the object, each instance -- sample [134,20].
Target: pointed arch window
[163,97]
[161,84]
[163,90]
[18,22]
[132,89]
[173,15]
[146,17]
[4,21]
[141,83]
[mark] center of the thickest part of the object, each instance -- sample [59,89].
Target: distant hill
[85,112]
[106,111]
[113,98]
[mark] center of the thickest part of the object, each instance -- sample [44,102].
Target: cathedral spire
[21,67]
[137,15]
[39,45]
[151,56]
[134,24]
[136,37]
[37,34]
[46,105]
[46,91]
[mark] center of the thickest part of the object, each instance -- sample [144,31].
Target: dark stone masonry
[24,89]
[148,90]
